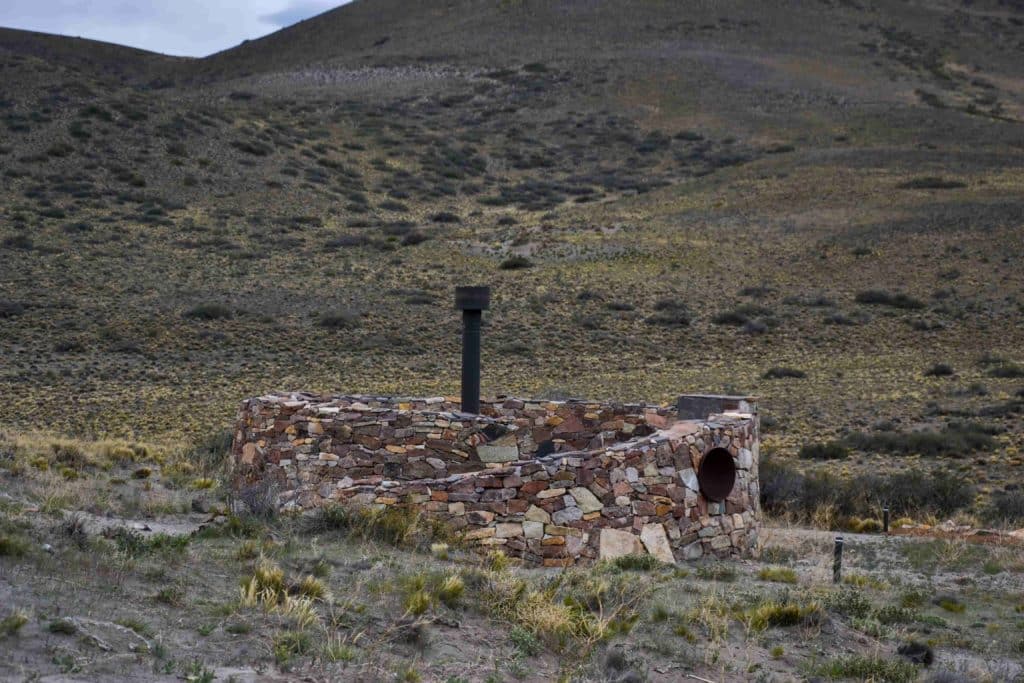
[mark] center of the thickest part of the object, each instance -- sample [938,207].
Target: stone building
[551,482]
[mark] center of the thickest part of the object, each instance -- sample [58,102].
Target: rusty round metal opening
[717,474]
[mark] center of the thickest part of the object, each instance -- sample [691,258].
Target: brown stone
[532,487]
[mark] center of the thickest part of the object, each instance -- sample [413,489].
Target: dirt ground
[106,598]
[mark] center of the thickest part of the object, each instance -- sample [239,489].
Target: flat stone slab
[492,453]
[618,543]
[656,541]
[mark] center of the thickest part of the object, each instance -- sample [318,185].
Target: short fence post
[885,520]
[837,561]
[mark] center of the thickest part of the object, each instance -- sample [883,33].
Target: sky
[193,28]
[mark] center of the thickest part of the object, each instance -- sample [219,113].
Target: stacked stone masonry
[551,482]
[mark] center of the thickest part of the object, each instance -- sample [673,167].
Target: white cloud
[178,27]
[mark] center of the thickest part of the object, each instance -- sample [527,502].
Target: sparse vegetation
[177,235]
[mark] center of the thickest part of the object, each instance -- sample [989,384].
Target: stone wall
[551,482]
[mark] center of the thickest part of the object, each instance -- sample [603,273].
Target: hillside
[819,203]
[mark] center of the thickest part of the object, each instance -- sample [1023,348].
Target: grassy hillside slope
[702,193]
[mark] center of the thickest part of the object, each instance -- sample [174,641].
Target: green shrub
[516,263]
[209,312]
[832,450]
[1006,506]
[956,439]
[879,297]
[939,370]
[783,614]
[931,183]
[641,563]
[716,571]
[11,624]
[741,315]
[779,372]
[785,489]
[668,313]
[13,545]
[337,320]
[777,574]
[63,627]
[1007,371]
[849,602]
[868,668]
[398,526]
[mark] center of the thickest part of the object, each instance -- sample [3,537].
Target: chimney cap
[472,298]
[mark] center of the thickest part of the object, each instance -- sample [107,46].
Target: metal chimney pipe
[472,301]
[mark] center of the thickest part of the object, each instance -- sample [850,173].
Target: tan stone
[550,493]
[720,541]
[585,499]
[554,540]
[536,514]
[476,534]
[508,529]
[656,542]
[248,453]
[492,541]
[456,508]
[617,543]
[737,520]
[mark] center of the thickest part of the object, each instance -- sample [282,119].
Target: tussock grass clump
[879,297]
[574,609]
[289,644]
[12,623]
[13,545]
[640,563]
[313,588]
[716,571]
[772,613]
[403,527]
[868,668]
[777,574]
[863,526]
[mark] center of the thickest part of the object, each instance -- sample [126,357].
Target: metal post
[885,520]
[472,301]
[837,561]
